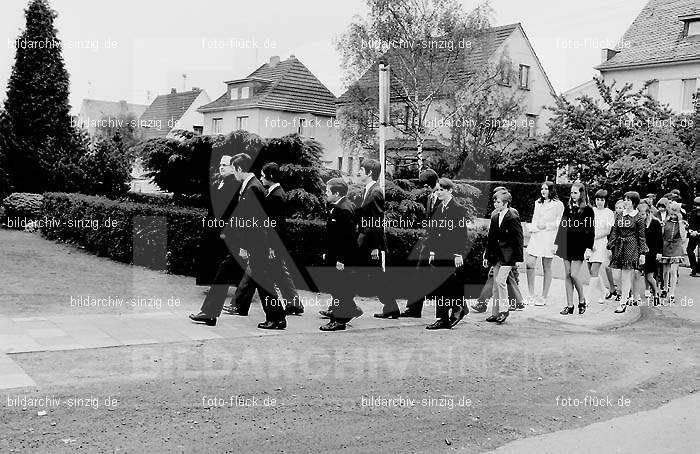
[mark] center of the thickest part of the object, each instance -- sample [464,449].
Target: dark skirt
[650,263]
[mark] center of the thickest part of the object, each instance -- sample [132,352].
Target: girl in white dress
[543,231]
[604,219]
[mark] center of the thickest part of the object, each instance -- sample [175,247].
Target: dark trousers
[414,280]
[340,285]
[282,279]
[693,243]
[370,280]
[449,294]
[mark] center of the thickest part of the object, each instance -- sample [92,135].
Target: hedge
[107,229]
[22,207]
[524,196]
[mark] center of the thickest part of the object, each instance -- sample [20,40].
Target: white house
[173,111]
[662,44]
[277,99]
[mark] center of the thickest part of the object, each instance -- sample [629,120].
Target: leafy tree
[427,45]
[124,125]
[38,112]
[108,167]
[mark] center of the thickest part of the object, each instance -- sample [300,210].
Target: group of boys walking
[356,256]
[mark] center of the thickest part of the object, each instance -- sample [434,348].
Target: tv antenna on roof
[184,82]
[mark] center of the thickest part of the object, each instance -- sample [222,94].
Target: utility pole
[384,110]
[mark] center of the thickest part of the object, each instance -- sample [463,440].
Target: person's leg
[530,265]
[494,290]
[486,294]
[609,274]
[594,287]
[285,284]
[546,275]
[666,276]
[577,268]
[692,258]
[501,285]
[673,279]
[214,301]
[244,293]
[626,286]
[513,287]
[568,284]
[260,272]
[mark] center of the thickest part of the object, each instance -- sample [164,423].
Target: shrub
[138,230]
[21,205]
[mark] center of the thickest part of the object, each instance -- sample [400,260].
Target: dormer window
[245,92]
[234,93]
[691,25]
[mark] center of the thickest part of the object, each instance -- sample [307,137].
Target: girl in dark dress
[574,243]
[628,244]
[654,240]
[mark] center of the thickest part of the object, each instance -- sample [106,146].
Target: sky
[134,50]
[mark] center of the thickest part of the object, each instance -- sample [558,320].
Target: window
[242,123]
[302,126]
[504,74]
[198,130]
[351,166]
[524,76]
[245,92]
[234,93]
[531,125]
[653,90]
[340,163]
[689,87]
[217,125]
[692,28]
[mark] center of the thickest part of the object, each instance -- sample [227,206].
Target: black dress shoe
[326,314]
[333,325]
[439,324]
[293,310]
[457,315]
[502,317]
[567,310]
[281,324]
[392,314]
[492,318]
[203,318]
[581,308]
[233,310]
[410,313]
[620,310]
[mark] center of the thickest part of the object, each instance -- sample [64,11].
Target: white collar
[630,213]
[369,185]
[272,188]
[245,183]
[338,201]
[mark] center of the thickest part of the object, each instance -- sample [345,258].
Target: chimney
[274,60]
[173,91]
[196,88]
[292,56]
[608,54]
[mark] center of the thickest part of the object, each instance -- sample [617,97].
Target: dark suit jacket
[341,241]
[275,207]
[505,242]
[370,215]
[446,231]
[249,210]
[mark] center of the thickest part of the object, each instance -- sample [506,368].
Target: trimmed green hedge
[107,229]
[21,206]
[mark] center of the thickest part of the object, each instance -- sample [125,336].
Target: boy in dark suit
[504,249]
[446,244]
[341,249]
[371,240]
[275,201]
[246,228]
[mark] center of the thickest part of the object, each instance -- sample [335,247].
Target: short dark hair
[338,186]
[243,161]
[504,196]
[372,167]
[634,198]
[446,183]
[272,171]
[428,177]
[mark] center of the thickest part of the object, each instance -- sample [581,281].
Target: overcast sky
[152,43]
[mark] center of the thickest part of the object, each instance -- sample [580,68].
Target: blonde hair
[674,208]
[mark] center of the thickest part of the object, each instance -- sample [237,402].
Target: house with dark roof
[95,114]
[174,111]
[663,45]
[503,45]
[278,98]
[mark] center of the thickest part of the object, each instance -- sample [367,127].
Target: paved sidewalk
[671,428]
